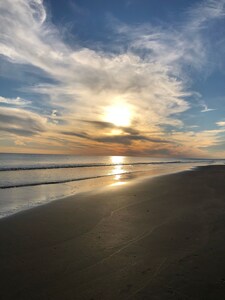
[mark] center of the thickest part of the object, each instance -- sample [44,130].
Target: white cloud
[221,123]
[204,12]
[14,101]
[206,109]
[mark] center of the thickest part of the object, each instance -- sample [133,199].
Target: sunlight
[117,159]
[117,177]
[117,169]
[118,115]
[115,132]
[118,183]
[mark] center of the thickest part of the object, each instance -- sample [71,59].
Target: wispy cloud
[78,9]
[206,109]
[205,11]
[220,123]
[14,101]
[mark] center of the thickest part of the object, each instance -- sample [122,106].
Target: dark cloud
[108,125]
[80,135]
[125,139]
[21,122]
[18,131]
[100,124]
[128,139]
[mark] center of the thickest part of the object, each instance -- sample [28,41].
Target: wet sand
[160,238]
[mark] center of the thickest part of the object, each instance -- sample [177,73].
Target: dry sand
[161,238]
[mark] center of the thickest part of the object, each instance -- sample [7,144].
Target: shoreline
[17,199]
[157,238]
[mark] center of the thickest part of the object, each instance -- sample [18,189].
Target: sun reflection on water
[117,159]
[118,169]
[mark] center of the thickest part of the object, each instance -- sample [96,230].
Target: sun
[119,115]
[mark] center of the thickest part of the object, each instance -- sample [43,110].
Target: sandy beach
[158,238]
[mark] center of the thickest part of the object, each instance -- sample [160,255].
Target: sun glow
[118,115]
[117,159]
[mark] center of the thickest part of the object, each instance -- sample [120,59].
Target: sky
[121,77]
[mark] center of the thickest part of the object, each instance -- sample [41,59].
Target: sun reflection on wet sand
[118,183]
[117,177]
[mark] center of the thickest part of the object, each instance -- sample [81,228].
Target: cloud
[204,12]
[196,143]
[100,124]
[21,122]
[78,9]
[14,101]
[201,103]
[143,67]
[76,134]
[221,123]
[126,137]
[85,74]
[206,109]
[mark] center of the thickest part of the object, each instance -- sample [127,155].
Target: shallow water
[28,180]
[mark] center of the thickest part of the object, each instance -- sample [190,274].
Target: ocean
[28,180]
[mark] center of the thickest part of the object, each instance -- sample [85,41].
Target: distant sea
[28,180]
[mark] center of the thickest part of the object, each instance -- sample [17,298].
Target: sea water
[28,180]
